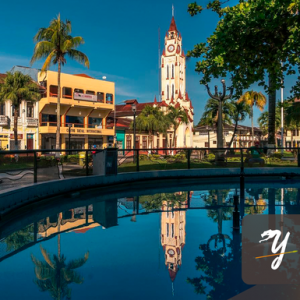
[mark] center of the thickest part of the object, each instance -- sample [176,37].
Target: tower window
[167,71]
[172,230]
[173,91]
[167,91]
[167,229]
[172,71]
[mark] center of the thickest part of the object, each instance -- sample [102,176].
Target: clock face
[171,48]
[178,49]
[171,251]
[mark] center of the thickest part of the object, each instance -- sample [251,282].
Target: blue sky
[121,40]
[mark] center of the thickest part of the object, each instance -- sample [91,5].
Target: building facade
[28,137]
[206,136]
[85,105]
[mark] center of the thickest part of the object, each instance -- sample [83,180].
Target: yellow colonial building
[85,104]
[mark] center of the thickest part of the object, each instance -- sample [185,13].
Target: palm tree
[151,120]
[239,113]
[211,112]
[253,98]
[55,43]
[54,275]
[176,116]
[17,87]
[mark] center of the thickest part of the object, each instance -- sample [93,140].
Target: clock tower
[173,236]
[173,83]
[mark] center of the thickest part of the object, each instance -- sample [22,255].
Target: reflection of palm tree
[54,275]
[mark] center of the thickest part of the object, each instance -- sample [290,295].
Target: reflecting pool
[164,245]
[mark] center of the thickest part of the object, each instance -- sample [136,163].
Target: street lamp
[133,107]
[220,97]
[208,139]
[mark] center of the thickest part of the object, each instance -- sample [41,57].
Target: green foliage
[55,43]
[19,238]
[210,157]
[151,120]
[251,38]
[143,157]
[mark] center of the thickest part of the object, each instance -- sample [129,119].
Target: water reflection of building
[173,236]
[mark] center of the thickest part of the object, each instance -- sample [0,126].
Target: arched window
[172,71]
[2,109]
[167,71]
[173,91]
[167,91]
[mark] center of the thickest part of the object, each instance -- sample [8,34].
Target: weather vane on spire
[172,10]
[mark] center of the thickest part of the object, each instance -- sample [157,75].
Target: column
[63,141]
[86,141]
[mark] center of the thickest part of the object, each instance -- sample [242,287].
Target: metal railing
[50,164]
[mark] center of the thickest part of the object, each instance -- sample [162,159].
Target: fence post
[137,160]
[87,163]
[236,214]
[34,167]
[189,158]
[242,162]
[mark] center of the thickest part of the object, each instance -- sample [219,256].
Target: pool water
[170,245]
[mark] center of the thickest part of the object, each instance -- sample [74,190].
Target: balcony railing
[78,125]
[4,121]
[32,122]
[19,120]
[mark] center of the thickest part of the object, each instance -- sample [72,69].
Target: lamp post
[208,138]
[220,97]
[69,125]
[133,107]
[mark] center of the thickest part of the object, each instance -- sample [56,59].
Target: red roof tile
[83,75]
[173,274]
[186,96]
[173,25]
[177,105]
[179,96]
[163,103]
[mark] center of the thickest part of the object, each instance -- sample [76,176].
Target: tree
[176,116]
[211,112]
[210,116]
[253,98]
[55,43]
[272,26]
[239,113]
[17,87]
[54,275]
[151,120]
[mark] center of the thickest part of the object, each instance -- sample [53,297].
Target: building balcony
[19,121]
[50,127]
[4,121]
[32,122]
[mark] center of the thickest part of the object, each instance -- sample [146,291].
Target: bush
[143,157]
[155,156]
[210,157]
[276,155]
